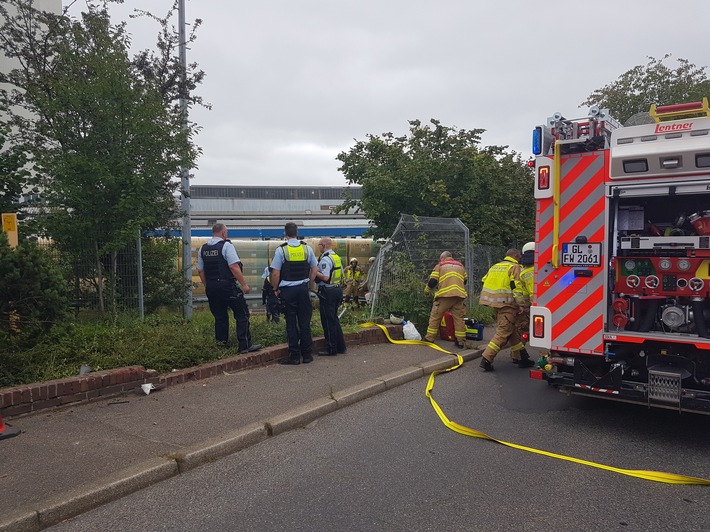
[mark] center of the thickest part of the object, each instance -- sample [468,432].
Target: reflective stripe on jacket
[451,278]
[497,291]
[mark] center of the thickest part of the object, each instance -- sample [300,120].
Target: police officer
[268,297]
[331,297]
[449,279]
[497,292]
[294,267]
[220,269]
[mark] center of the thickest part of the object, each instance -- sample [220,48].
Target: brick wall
[34,397]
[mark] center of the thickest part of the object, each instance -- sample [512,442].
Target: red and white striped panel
[575,303]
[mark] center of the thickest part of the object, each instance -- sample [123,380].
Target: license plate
[582,254]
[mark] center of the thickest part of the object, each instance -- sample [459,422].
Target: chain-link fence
[405,261]
[139,278]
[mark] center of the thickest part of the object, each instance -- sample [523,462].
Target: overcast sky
[294,82]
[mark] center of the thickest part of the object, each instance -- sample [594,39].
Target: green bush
[33,293]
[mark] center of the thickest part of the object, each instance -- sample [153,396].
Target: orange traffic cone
[7,431]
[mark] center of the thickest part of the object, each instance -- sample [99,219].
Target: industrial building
[260,212]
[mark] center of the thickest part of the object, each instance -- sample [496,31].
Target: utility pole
[184,172]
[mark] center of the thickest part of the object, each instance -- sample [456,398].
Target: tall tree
[655,82]
[441,171]
[105,131]
[13,174]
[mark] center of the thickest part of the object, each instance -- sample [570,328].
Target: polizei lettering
[211,252]
[669,128]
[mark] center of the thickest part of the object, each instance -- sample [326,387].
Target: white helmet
[530,246]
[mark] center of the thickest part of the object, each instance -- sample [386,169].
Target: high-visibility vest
[336,270]
[295,266]
[497,291]
[352,274]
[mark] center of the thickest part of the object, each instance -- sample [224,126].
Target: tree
[13,174]
[655,82]
[106,134]
[441,171]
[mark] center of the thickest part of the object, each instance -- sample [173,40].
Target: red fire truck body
[621,301]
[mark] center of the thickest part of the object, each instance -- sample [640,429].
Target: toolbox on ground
[474,329]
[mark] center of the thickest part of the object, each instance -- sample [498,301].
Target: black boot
[487,366]
[291,360]
[525,361]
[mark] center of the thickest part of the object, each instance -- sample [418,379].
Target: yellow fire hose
[656,476]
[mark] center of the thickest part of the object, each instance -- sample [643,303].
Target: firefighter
[524,288]
[497,293]
[449,279]
[352,277]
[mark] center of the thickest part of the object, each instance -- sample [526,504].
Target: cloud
[294,83]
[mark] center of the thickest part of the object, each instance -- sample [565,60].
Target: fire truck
[621,305]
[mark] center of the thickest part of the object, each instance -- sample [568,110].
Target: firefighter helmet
[530,246]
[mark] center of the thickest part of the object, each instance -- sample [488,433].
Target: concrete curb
[57,509]
[216,448]
[301,416]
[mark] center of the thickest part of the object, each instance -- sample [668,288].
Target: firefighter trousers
[457,307]
[506,331]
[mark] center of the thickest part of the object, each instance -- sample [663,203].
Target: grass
[162,342]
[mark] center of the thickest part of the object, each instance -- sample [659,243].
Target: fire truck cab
[621,301]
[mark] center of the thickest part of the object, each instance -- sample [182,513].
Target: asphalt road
[388,463]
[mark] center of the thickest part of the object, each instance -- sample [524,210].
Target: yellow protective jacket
[351,274]
[449,277]
[499,282]
[524,287]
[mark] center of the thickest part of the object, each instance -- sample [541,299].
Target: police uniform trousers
[506,331]
[454,304]
[331,297]
[222,296]
[298,313]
